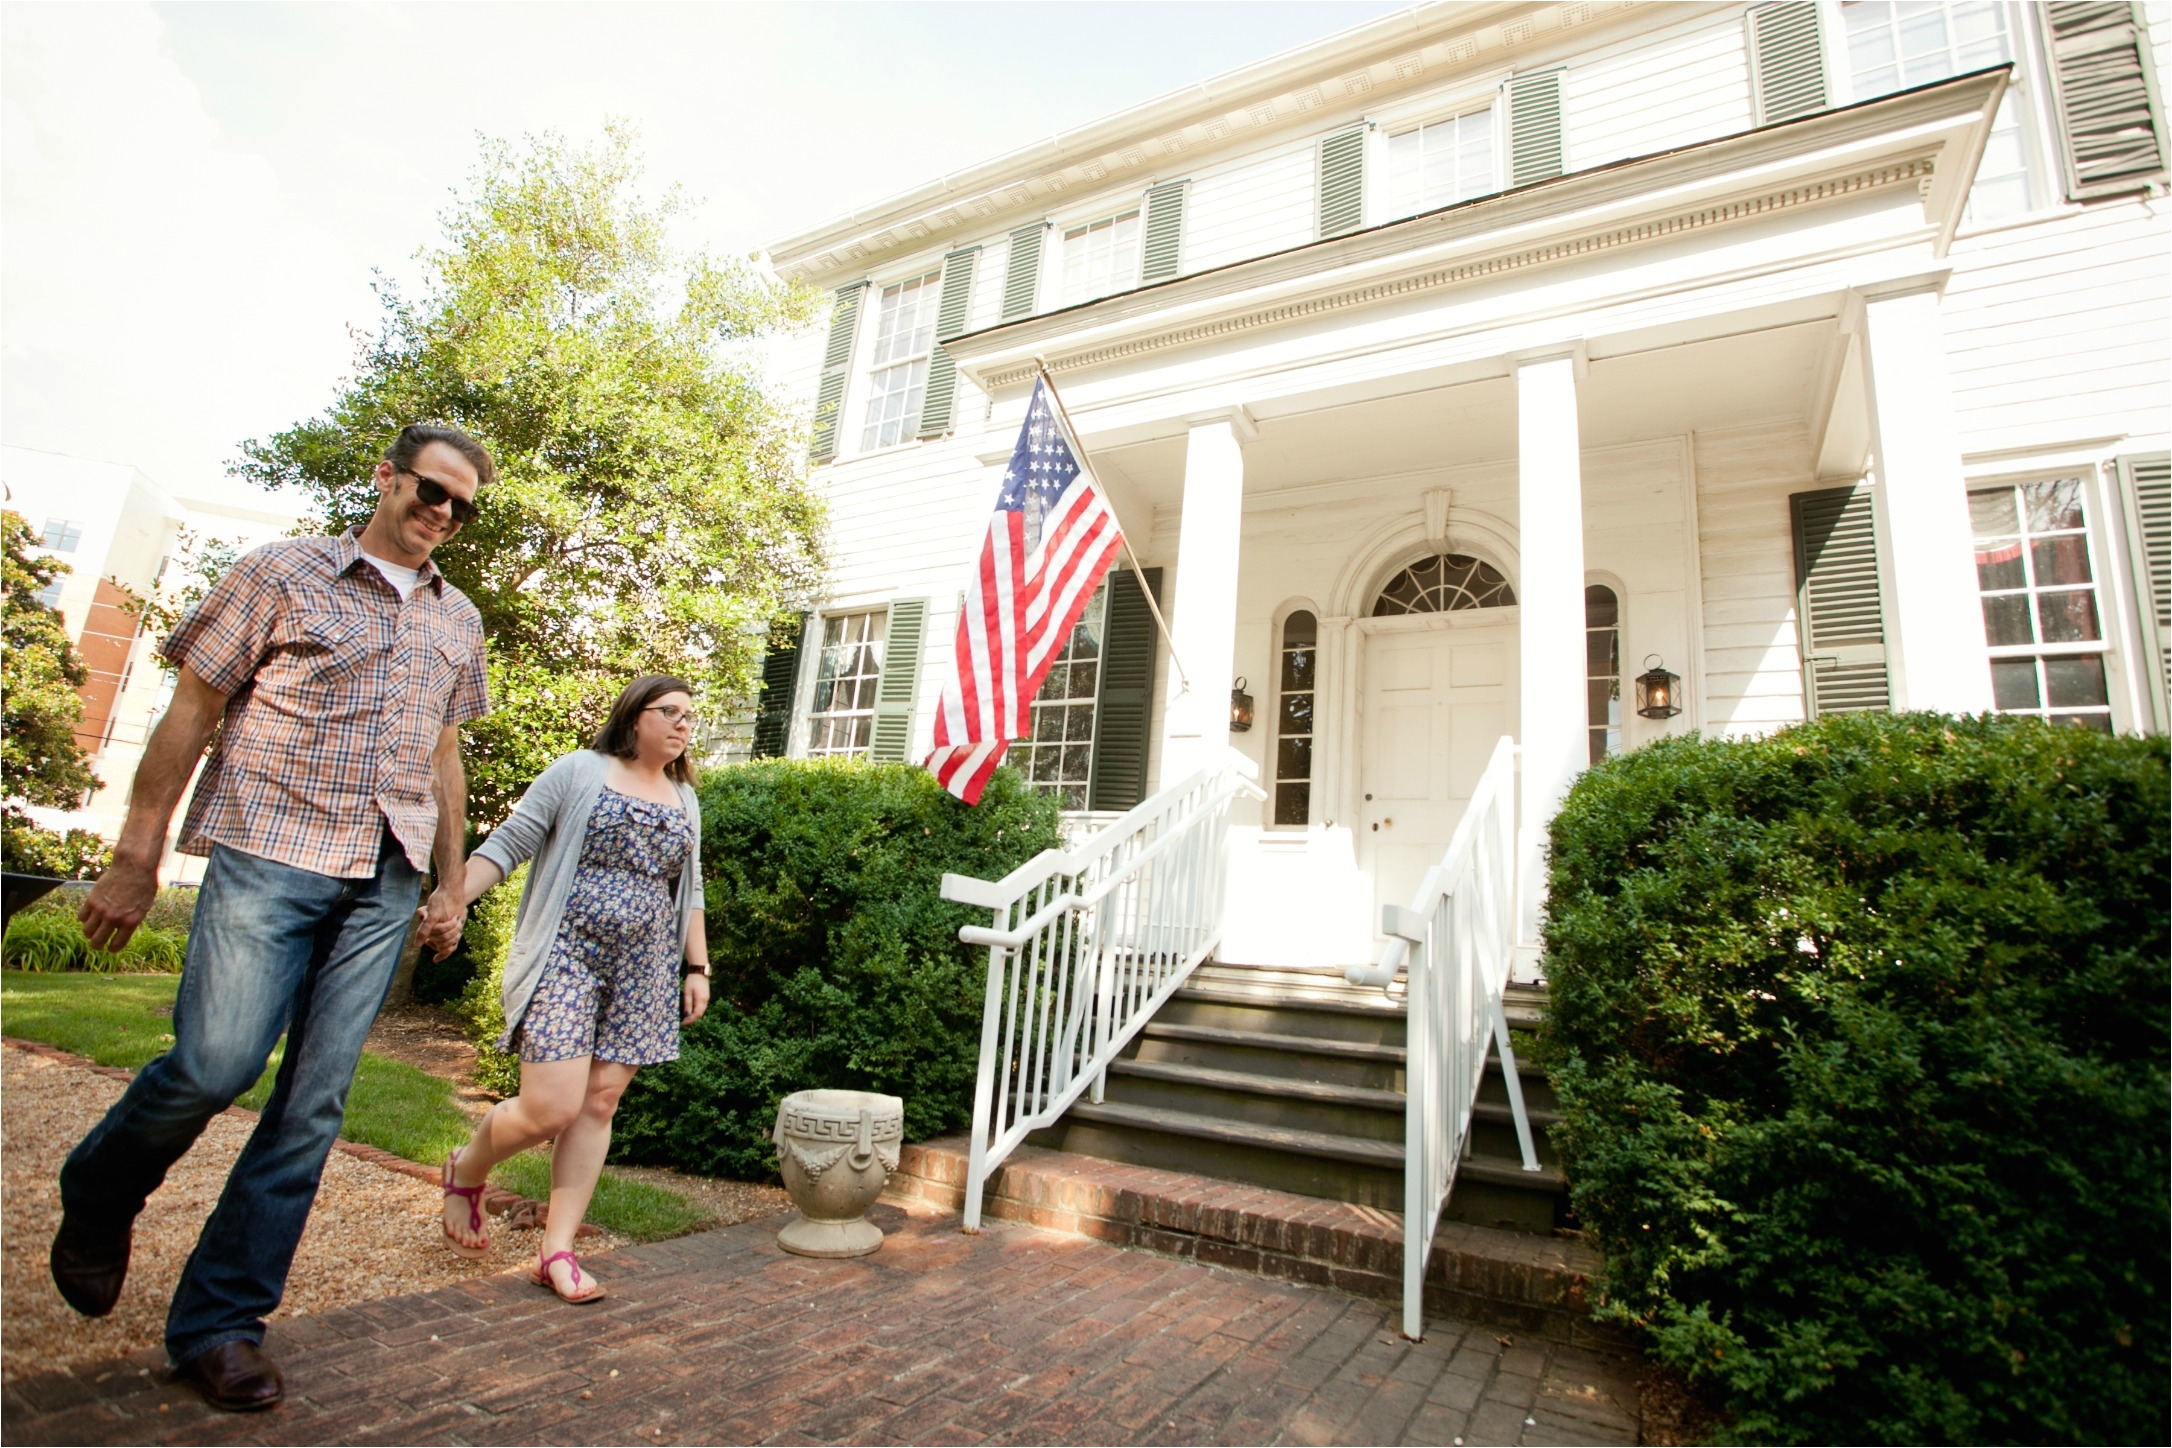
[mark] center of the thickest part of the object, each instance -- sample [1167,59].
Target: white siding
[1264,204]
[1660,91]
[2062,329]
[1745,544]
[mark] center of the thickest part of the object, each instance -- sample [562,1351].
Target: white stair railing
[1084,946]
[1458,939]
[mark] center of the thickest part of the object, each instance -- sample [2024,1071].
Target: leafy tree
[40,761]
[651,513]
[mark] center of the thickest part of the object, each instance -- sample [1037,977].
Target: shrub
[52,940]
[28,848]
[487,941]
[837,963]
[174,909]
[1860,1037]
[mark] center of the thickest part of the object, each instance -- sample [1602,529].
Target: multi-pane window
[2040,611]
[904,335]
[1896,44]
[1058,758]
[842,718]
[1441,164]
[1100,257]
[1602,670]
[1294,685]
[50,594]
[1445,583]
[62,535]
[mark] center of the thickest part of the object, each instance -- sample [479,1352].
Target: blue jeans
[273,949]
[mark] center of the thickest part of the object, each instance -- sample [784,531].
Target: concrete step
[1536,1285]
[1273,1053]
[1327,1107]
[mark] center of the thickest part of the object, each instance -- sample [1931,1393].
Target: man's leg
[238,1271]
[248,951]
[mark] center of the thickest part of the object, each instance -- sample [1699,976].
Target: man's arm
[123,894]
[446,911]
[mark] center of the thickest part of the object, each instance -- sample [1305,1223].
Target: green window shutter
[1342,182]
[1787,61]
[1125,714]
[900,681]
[836,363]
[2111,118]
[780,676]
[1839,618]
[1534,127]
[2147,486]
[950,313]
[1022,280]
[1163,255]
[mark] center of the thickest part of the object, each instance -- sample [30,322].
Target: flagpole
[1122,537]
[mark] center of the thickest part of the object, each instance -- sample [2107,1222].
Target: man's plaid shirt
[336,694]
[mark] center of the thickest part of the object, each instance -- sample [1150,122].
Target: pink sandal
[543,1277]
[474,1197]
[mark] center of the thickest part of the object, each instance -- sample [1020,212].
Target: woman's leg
[577,1162]
[549,1103]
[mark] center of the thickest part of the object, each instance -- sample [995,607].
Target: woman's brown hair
[616,737]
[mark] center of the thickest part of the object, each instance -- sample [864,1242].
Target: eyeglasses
[432,492]
[674,715]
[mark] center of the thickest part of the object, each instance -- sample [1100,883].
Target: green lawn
[117,1020]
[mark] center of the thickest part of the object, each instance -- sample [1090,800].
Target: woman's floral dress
[611,987]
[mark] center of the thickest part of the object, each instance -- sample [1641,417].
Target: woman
[609,958]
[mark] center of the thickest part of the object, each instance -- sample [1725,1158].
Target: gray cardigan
[548,826]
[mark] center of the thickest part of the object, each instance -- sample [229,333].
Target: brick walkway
[1016,1335]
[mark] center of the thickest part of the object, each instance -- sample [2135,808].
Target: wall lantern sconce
[1240,708]
[1659,694]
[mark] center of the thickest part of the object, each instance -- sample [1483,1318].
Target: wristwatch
[689,968]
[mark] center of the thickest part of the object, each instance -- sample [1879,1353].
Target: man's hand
[444,916]
[694,995]
[117,904]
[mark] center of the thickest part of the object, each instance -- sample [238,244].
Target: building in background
[124,538]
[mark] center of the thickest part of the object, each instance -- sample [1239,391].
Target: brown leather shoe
[90,1264]
[235,1376]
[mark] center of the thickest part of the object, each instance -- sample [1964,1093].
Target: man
[337,672]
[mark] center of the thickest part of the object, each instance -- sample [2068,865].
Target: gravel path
[373,1233]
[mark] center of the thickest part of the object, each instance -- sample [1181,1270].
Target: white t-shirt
[403,579]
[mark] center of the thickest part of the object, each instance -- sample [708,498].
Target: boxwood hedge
[837,963]
[1860,1038]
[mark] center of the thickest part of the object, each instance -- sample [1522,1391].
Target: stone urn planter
[837,1150]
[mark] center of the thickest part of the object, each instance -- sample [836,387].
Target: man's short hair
[416,436]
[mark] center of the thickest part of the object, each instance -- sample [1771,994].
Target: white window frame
[1028,752]
[809,719]
[929,276]
[71,535]
[1489,104]
[1624,689]
[2111,642]
[1271,767]
[2025,94]
[1134,211]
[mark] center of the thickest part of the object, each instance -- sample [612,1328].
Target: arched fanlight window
[1444,584]
[1602,670]
[1293,719]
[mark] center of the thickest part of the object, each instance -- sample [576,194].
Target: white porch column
[1203,606]
[1550,597]
[1934,639]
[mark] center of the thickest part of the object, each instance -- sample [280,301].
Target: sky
[193,197]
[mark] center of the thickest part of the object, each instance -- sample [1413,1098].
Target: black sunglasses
[432,492]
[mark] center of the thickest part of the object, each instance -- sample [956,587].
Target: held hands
[694,996]
[117,904]
[444,915]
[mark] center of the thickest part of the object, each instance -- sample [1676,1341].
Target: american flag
[1048,546]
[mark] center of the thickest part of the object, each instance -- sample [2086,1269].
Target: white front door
[1439,691]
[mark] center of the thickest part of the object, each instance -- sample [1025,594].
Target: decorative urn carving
[837,1150]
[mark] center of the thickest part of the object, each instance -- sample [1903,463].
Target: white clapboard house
[1452,372]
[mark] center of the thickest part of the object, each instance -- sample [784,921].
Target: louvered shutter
[780,676]
[2147,483]
[1342,182]
[1787,61]
[950,313]
[1022,282]
[1126,708]
[1534,127]
[2111,120]
[1163,257]
[899,685]
[836,364]
[1839,618]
